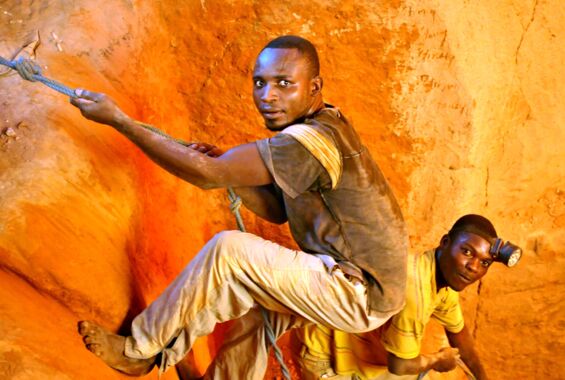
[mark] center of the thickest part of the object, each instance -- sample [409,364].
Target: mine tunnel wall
[460,103]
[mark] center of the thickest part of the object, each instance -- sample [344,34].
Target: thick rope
[235,204]
[461,365]
[32,72]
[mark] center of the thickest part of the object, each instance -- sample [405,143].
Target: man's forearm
[465,343]
[239,167]
[176,158]
[398,366]
[442,361]
[472,361]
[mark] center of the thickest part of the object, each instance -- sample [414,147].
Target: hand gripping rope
[460,363]
[32,72]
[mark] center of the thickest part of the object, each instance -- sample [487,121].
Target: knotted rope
[30,71]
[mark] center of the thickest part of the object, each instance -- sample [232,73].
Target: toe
[87,328]
[96,349]
[87,339]
[83,327]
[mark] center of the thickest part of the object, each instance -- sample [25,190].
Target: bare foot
[110,348]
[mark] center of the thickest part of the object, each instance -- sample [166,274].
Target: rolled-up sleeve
[294,169]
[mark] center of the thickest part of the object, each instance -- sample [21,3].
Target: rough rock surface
[461,103]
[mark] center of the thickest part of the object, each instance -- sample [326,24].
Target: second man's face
[464,260]
[282,87]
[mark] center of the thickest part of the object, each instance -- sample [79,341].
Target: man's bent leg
[222,282]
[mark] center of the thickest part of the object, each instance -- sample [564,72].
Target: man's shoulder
[420,276]
[421,265]
[328,117]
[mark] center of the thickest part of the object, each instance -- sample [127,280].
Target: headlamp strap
[495,247]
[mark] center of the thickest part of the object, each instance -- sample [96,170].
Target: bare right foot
[110,349]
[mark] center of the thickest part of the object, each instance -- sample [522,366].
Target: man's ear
[444,242]
[316,85]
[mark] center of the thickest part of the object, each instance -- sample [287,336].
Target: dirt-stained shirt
[366,354]
[338,202]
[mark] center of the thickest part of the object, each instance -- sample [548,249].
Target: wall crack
[526,28]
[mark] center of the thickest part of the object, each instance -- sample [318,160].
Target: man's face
[464,259]
[283,89]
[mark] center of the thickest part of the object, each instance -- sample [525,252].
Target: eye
[485,263]
[467,252]
[284,83]
[258,83]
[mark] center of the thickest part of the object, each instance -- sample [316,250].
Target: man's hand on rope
[98,107]
[208,149]
[447,359]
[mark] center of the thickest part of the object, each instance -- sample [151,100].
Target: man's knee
[230,243]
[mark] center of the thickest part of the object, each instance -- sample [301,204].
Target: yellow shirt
[363,354]
[423,301]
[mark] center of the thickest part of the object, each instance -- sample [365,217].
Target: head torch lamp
[506,253]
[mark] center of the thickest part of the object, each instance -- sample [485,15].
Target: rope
[460,363]
[32,72]
[235,204]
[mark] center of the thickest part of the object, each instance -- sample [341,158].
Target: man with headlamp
[434,277]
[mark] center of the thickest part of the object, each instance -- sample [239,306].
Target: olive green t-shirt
[338,202]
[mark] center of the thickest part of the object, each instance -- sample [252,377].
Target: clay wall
[461,103]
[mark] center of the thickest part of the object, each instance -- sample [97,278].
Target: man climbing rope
[463,257]
[350,273]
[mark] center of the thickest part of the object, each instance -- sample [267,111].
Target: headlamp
[506,253]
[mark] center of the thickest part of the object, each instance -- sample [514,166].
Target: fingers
[86,100]
[79,102]
[201,147]
[89,95]
[208,149]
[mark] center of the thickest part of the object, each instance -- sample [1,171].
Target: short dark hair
[475,224]
[304,46]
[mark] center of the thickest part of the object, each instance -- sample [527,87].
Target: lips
[271,114]
[464,278]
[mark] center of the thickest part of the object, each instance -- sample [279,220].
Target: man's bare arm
[240,166]
[441,361]
[465,343]
[261,200]
[264,202]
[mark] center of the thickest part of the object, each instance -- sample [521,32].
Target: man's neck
[440,280]
[316,106]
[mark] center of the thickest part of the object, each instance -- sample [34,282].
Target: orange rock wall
[461,103]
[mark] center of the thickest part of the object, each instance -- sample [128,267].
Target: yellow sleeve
[403,337]
[317,339]
[448,312]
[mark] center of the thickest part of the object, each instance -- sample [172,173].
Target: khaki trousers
[231,273]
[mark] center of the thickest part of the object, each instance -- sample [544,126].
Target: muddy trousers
[231,273]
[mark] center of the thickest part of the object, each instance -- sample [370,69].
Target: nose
[269,94]
[473,265]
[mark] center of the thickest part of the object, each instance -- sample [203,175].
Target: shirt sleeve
[448,313]
[294,169]
[403,337]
